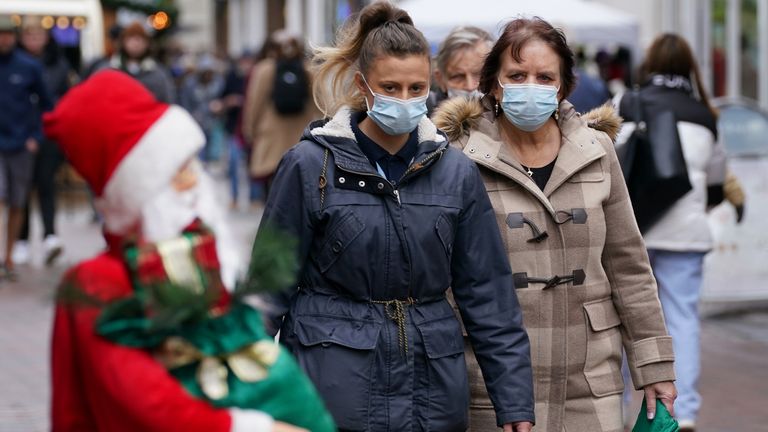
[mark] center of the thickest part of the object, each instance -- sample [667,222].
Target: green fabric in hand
[662,422]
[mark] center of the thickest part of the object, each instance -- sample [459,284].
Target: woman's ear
[360,84]
[497,92]
[362,87]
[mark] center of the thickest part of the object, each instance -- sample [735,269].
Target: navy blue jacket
[367,244]
[22,96]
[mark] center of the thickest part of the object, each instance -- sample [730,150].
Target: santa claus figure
[155,342]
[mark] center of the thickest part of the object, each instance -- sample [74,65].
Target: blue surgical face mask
[396,116]
[528,106]
[453,93]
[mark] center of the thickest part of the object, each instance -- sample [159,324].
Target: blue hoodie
[23,96]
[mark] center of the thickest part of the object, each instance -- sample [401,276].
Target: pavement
[734,380]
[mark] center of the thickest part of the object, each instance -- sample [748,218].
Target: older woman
[582,272]
[458,63]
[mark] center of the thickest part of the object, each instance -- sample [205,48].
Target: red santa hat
[125,144]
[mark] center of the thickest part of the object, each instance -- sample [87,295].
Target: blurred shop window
[748,54]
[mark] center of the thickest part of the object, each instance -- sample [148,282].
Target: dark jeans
[47,161]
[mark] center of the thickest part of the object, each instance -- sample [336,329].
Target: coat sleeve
[98,384]
[633,287]
[256,98]
[292,195]
[484,292]
[716,172]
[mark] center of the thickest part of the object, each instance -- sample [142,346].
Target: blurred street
[733,381]
[245,78]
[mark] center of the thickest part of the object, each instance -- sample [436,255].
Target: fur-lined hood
[456,117]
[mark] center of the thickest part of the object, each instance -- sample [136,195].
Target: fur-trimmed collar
[456,117]
[340,126]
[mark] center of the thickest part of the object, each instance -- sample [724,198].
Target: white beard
[170,212]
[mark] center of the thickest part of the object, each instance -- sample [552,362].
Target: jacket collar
[117,61]
[336,134]
[579,148]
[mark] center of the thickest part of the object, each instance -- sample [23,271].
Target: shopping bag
[662,422]
[653,164]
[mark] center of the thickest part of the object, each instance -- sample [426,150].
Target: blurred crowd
[232,100]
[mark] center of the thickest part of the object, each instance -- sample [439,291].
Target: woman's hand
[665,391]
[518,427]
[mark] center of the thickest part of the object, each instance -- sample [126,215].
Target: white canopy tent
[584,22]
[92,36]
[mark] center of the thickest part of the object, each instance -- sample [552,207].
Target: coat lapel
[486,148]
[579,148]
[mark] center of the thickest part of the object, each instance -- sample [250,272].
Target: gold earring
[496,109]
[557,113]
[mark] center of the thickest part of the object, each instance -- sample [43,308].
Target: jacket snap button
[342,180]
[487,155]
[336,246]
[361,183]
[380,186]
[471,150]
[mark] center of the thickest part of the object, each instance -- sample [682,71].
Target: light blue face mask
[528,106]
[453,93]
[396,116]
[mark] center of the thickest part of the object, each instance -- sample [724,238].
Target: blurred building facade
[729,38]
[250,21]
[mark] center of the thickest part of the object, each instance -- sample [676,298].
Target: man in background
[23,96]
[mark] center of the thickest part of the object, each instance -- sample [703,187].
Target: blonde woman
[388,216]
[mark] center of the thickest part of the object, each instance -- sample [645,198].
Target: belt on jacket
[522,280]
[395,310]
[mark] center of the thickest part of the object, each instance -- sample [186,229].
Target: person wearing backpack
[278,105]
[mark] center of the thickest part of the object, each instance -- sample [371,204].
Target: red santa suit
[128,147]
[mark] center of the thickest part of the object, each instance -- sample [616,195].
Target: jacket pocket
[445,233]
[602,367]
[342,233]
[448,390]
[338,354]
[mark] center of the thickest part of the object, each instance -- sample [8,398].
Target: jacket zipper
[411,169]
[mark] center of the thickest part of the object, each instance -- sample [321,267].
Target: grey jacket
[383,365]
[150,73]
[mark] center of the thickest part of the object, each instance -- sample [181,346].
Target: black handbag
[653,164]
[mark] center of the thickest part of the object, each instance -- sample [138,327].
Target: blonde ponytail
[379,29]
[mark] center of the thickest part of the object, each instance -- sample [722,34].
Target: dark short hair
[516,34]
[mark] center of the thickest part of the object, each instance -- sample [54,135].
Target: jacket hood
[340,126]
[336,134]
[457,116]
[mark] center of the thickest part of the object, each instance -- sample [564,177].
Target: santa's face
[189,196]
[175,207]
[186,178]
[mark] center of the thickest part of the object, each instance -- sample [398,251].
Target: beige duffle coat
[581,270]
